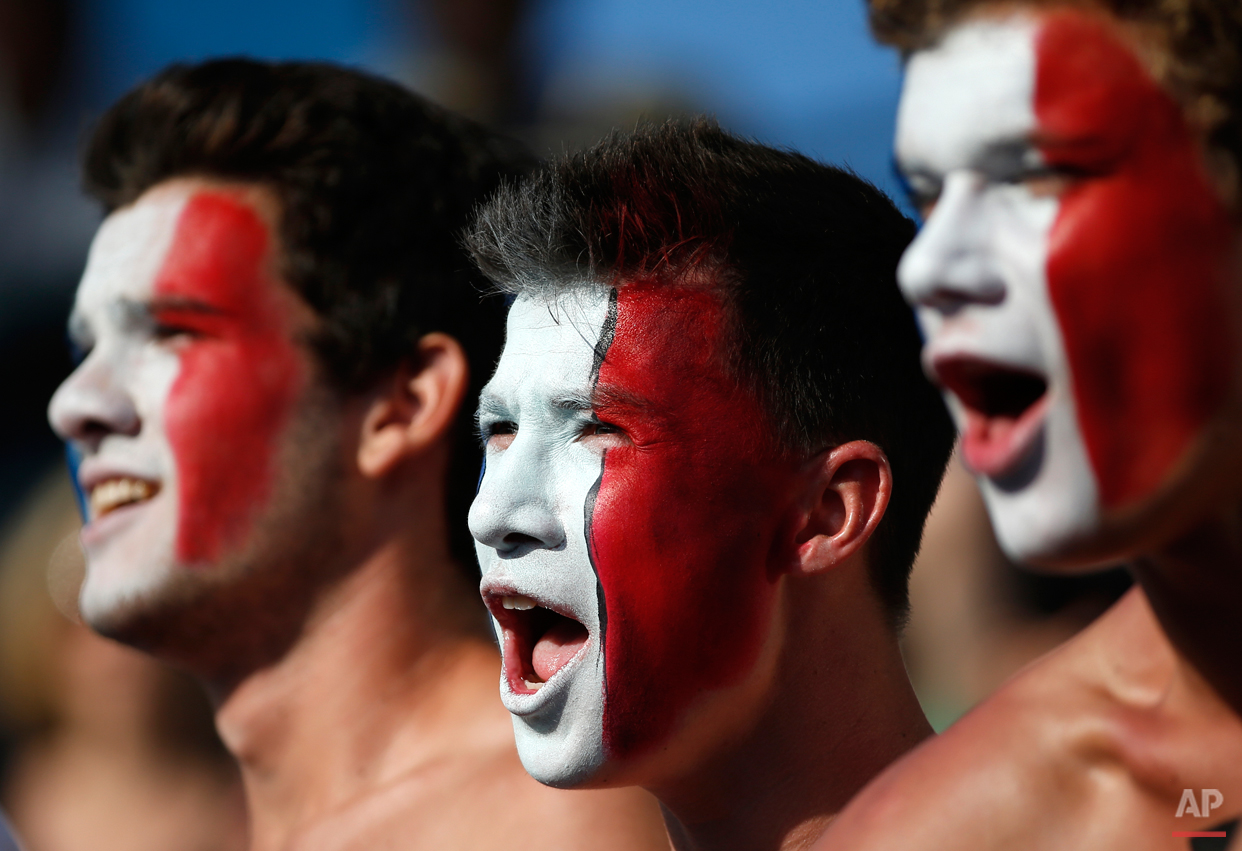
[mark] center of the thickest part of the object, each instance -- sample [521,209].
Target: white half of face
[529,520]
[124,383]
[977,276]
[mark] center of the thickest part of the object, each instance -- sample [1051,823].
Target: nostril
[514,540]
[93,430]
[949,299]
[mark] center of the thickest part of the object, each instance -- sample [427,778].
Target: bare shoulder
[1081,749]
[487,801]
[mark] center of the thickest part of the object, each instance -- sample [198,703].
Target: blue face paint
[72,456]
[74,460]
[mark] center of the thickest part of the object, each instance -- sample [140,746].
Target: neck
[1194,586]
[385,676]
[842,709]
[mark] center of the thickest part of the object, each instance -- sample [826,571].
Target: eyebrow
[490,408]
[574,402]
[1004,156]
[136,313]
[610,396]
[180,303]
[1008,156]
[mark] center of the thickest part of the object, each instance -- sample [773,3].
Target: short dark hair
[1199,43]
[374,185]
[804,254]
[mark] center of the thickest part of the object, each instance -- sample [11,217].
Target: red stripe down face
[686,521]
[633,521]
[1075,279]
[240,372]
[1139,262]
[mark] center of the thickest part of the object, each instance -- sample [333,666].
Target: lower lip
[996,446]
[99,529]
[520,700]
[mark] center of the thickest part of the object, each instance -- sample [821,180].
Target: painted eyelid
[490,427]
[163,330]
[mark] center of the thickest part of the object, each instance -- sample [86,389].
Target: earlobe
[850,487]
[417,407]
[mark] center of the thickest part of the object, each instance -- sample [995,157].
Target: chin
[1047,530]
[560,756]
[113,602]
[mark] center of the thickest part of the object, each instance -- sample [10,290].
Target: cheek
[679,533]
[225,413]
[235,389]
[1138,275]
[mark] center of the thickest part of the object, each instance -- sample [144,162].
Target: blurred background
[95,739]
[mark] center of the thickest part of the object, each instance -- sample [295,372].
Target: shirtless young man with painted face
[709,455]
[1078,281]
[281,349]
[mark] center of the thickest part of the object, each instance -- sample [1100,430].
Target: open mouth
[112,494]
[1005,410]
[537,642]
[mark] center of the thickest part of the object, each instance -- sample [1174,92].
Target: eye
[170,331]
[923,192]
[598,428]
[497,435]
[1050,181]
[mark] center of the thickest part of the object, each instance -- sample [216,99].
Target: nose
[514,510]
[89,406]
[950,264]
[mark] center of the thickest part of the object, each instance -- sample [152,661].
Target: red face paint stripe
[1138,258]
[236,385]
[684,517]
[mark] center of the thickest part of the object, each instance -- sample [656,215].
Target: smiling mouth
[537,642]
[111,494]
[1005,410]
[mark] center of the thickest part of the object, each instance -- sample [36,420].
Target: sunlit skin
[287,543]
[1058,214]
[662,572]
[1093,250]
[179,299]
[676,449]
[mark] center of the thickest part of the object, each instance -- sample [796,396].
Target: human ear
[416,408]
[849,489]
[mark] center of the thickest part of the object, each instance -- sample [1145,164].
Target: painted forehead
[556,346]
[973,89]
[550,345]
[974,95]
[130,247]
[217,238]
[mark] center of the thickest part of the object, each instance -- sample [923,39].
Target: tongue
[557,646]
[992,446]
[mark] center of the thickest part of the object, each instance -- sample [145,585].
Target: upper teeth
[518,602]
[114,493]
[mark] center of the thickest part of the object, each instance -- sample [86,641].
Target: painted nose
[514,511]
[949,264]
[89,406]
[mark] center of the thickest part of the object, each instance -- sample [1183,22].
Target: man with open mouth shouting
[281,348]
[1078,281]
[709,456]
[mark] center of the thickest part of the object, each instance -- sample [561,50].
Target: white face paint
[123,384]
[977,275]
[529,519]
[180,436]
